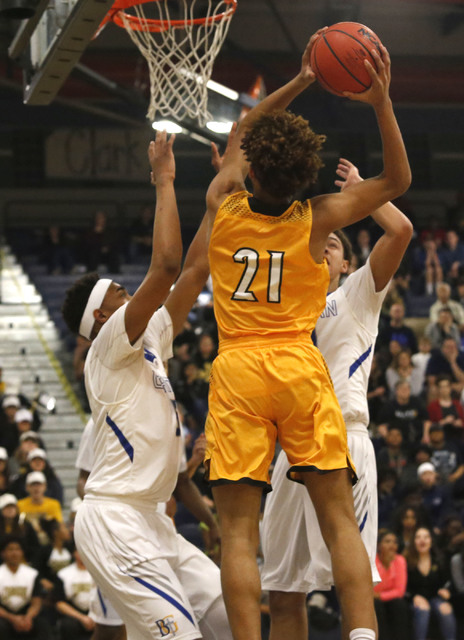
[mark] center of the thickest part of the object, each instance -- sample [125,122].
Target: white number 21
[250,258]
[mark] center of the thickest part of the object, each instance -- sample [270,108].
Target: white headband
[94,302]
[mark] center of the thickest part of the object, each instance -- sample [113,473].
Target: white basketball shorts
[296,558]
[102,611]
[132,554]
[199,576]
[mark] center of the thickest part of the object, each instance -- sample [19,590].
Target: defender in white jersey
[296,559]
[199,576]
[128,547]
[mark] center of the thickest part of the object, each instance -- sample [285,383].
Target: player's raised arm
[334,211]
[388,251]
[167,242]
[195,271]
[235,166]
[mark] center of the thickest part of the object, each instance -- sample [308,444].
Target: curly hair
[283,152]
[76,299]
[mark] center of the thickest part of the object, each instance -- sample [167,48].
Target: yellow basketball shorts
[261,394]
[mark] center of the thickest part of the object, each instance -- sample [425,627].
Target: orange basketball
[338,55]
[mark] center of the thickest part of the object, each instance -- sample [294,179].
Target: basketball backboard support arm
[65,50]
[23,35]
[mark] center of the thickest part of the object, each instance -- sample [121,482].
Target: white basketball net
[180,58]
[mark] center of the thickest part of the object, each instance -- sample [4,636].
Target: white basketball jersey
[138,443]
[345,334]
[85,455]
[85,452]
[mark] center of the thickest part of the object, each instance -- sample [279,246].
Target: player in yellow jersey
[269,381]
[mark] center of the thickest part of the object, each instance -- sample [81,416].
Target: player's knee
[339,529]
[286,604]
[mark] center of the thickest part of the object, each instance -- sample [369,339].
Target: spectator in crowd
[32,406]
[362,246]
[9,437]
[426,264]
[394,349]
[447,412]
[192,391]
[377,388]
[56,252]
[55,555]
[28,441]
[387,496]
[436,498]
[393,456]
[447,460]
[402,368]
[421,359]
[444,327]
[36,505]
[4,471]
[428,587]
[204,355]
[101,245]
[37,461]
[24,419]
[420,453]
[73,593]
[12,525]
[444,300]
[141,235]
[448,361]
[20,596]
[397,330]
[391,606]
[451,538]
[406,412]
[182,355]
[452,256]
[405,522]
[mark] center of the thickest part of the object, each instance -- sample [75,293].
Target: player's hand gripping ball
[337,57]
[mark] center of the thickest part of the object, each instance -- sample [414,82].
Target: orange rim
[119,17]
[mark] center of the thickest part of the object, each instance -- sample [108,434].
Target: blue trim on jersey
[166,597]
[357,363]
[148,355]
[128,448]
[102,602]
[363,522]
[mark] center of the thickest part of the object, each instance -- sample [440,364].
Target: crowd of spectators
[101,243]
[44,587]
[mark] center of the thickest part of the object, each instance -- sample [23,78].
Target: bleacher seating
[34,356]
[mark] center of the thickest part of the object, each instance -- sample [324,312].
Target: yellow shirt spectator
[37,505]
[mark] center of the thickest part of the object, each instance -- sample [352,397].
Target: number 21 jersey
[265,281]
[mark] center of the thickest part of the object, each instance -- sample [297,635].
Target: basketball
[337,58]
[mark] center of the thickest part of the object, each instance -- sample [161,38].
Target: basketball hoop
[180,50]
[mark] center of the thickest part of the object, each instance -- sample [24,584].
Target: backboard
[52,41]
